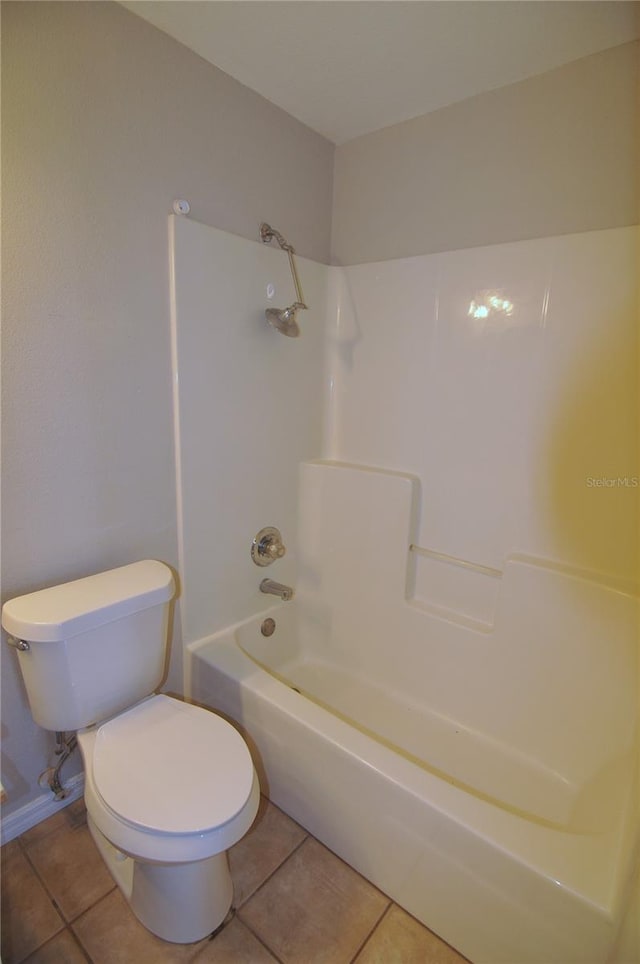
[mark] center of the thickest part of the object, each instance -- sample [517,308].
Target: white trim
[38,810]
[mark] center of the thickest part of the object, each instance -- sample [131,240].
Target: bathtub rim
[619,766]
[590,867]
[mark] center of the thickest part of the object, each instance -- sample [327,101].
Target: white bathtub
[507,859]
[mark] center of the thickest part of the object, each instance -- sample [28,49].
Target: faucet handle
[267,546]
[275,550]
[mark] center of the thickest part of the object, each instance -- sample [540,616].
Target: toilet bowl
[169,787]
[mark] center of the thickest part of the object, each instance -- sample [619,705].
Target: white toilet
[169,787]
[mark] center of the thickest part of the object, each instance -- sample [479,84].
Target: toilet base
[181,903]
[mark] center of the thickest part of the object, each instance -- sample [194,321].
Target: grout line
[46,889]
[49,893]
[260,886]
[54,904]
[201,946]
[274,871]
[288,857]
[261,941]
[79,944]
[50,940]
[373,929]
[74,920]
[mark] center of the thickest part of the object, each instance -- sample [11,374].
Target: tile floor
[297,903]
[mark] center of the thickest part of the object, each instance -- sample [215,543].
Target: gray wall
[554,154]
[106,121]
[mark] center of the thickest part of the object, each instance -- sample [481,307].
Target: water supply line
[65,745]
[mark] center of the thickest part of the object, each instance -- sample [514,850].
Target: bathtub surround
[549,806]
[507,372]
[446,592]
[99,137]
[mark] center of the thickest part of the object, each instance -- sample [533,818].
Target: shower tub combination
[477,773]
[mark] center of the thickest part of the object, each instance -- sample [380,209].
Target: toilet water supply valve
[65,745]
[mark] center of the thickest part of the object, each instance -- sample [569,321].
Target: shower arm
[266,235]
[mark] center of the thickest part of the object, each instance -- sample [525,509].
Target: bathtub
[508,860]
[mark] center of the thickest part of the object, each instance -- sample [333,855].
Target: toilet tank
[96,645]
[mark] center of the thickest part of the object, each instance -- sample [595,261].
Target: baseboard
[38,810]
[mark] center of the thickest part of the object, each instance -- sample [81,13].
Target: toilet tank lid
[60,612]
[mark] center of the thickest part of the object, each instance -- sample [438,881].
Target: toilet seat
[170,767]
[190,793]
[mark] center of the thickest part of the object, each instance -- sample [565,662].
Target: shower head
[284,320]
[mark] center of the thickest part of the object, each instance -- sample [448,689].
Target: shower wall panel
[248,405]
[506,379]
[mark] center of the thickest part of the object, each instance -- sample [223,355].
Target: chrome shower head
[284,320]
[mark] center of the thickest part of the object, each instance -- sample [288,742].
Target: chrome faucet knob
[267,546]
[275,550]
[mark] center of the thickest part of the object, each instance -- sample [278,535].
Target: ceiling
[348,67]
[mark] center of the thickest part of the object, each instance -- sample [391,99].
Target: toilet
[169,787]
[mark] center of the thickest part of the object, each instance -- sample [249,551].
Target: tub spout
[276,589]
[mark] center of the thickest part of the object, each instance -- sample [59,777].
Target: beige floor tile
[71,868]
[271,839]
[70,817]
[314,909]
[29,917]
[234,945]
[401,939]
[62,949]
[111,934]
